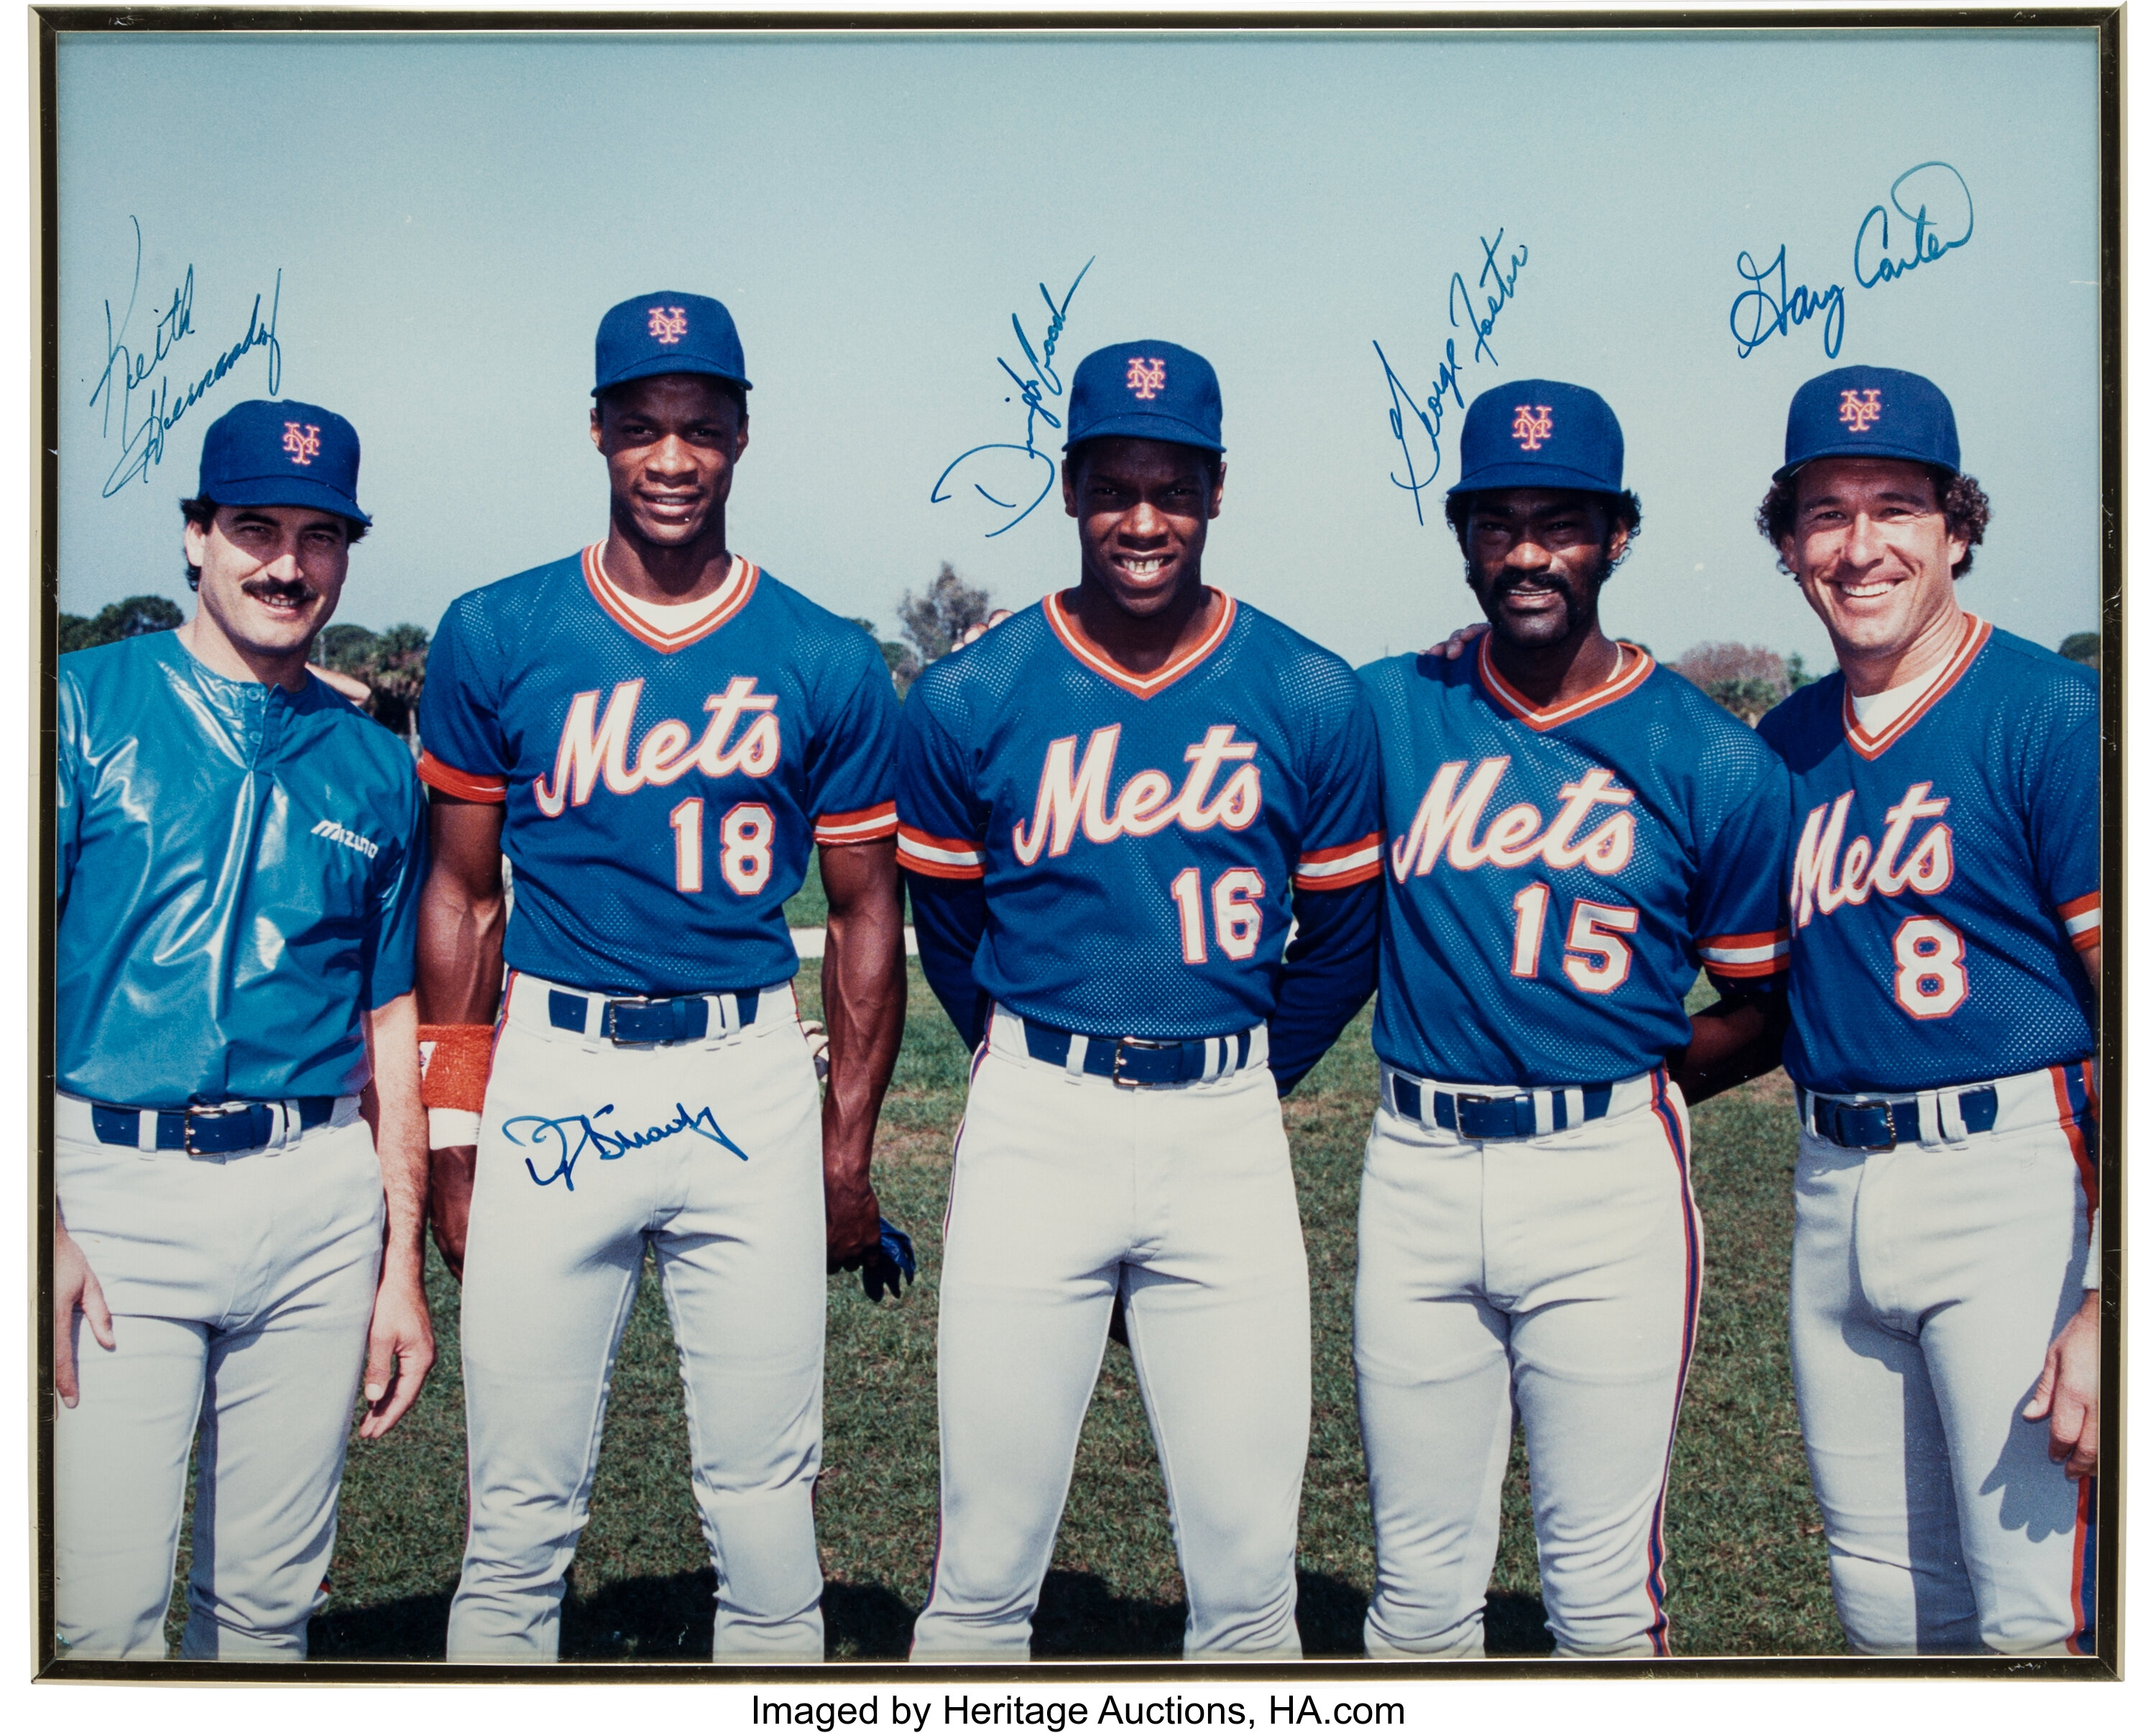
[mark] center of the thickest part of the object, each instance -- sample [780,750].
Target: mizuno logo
[350,839]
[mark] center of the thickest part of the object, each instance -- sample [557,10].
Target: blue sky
[442,221]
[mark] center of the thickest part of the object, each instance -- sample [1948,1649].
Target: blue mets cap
[1869,412]
[1540,433]
[282,454]
[1147,390]
[668,333]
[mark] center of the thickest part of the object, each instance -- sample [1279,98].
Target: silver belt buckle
[1115,1071]
[189,1115]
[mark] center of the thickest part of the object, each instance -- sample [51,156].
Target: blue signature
[611,1145]
[1773,313]
[1044,378]
[128,369]
[1497,282]
[1924,246]
[1943,203]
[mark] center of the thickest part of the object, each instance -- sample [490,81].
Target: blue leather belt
[206,1131]
[1138,1063]
[1882,1124]
[1483,1116]
[644,1022]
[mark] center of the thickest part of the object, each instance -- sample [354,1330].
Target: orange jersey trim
[939,856]
[870,824]
[1974,634]
[2084,921]
[732,598]
[1139,685]
[491,790]
[1629,680]
[1338,869]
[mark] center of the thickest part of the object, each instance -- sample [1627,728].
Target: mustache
[280,590]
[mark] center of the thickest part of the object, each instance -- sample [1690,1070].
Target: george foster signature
[568,1137]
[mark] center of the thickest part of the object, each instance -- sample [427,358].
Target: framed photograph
[1382,275]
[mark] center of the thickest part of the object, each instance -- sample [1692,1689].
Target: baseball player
[237,1108]
[1946,920]
[1572,833]
[655,731]
[1108,806]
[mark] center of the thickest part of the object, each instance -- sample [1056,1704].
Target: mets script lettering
[992,471]
[1929,867]
[595,748]
[1932,201]
[1446,822]
[1074,794]
[567,1138]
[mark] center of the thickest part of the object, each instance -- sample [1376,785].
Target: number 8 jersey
[1556,878]
[664,770]
[1944,872]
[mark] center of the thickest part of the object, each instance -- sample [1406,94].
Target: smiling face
[270,575]
[1537,559]
[670,442]
[1142,506]
[1870,548]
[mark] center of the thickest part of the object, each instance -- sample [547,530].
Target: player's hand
[1453,648]
[449,1201]
[888,1265]
[820,1049]
[979,629]
[400,1349]
[74,1288]
[2067,1391]
[853,1221]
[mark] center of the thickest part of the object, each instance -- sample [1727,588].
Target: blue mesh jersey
[663,789]
[1944,873]
[1555,879]
[239,873]
[1137,839]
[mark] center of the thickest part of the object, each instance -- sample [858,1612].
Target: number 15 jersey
[1555,879]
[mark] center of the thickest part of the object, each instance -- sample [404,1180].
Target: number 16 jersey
[1556,878]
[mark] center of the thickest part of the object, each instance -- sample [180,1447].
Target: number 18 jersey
[663,786]
[1556,878]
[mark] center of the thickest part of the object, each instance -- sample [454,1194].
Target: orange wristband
[455,1061]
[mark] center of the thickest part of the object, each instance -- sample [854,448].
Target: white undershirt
[1882,710]
[669,618]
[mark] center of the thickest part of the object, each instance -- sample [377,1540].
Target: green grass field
[1747,1568]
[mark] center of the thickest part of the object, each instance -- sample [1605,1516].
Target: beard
[1582,597]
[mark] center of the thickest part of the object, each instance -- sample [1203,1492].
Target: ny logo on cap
[1859,410]
[670,325]
[1146,380]
[303,443]
[1530,425]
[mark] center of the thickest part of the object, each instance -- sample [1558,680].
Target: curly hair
[1623,508]
[1964,504]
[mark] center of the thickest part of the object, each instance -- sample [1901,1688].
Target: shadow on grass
[668,1618]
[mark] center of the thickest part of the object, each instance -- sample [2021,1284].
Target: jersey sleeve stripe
[450,780]
[1336,869]
[869,824]
[2084,920]
[1745,956]
[939,856]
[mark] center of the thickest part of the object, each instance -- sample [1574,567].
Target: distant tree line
[1747,681]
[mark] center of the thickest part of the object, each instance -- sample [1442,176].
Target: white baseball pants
[588,1152]
[1559,1272]
[1928,1281]
[240,1288]
[1066,1189]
